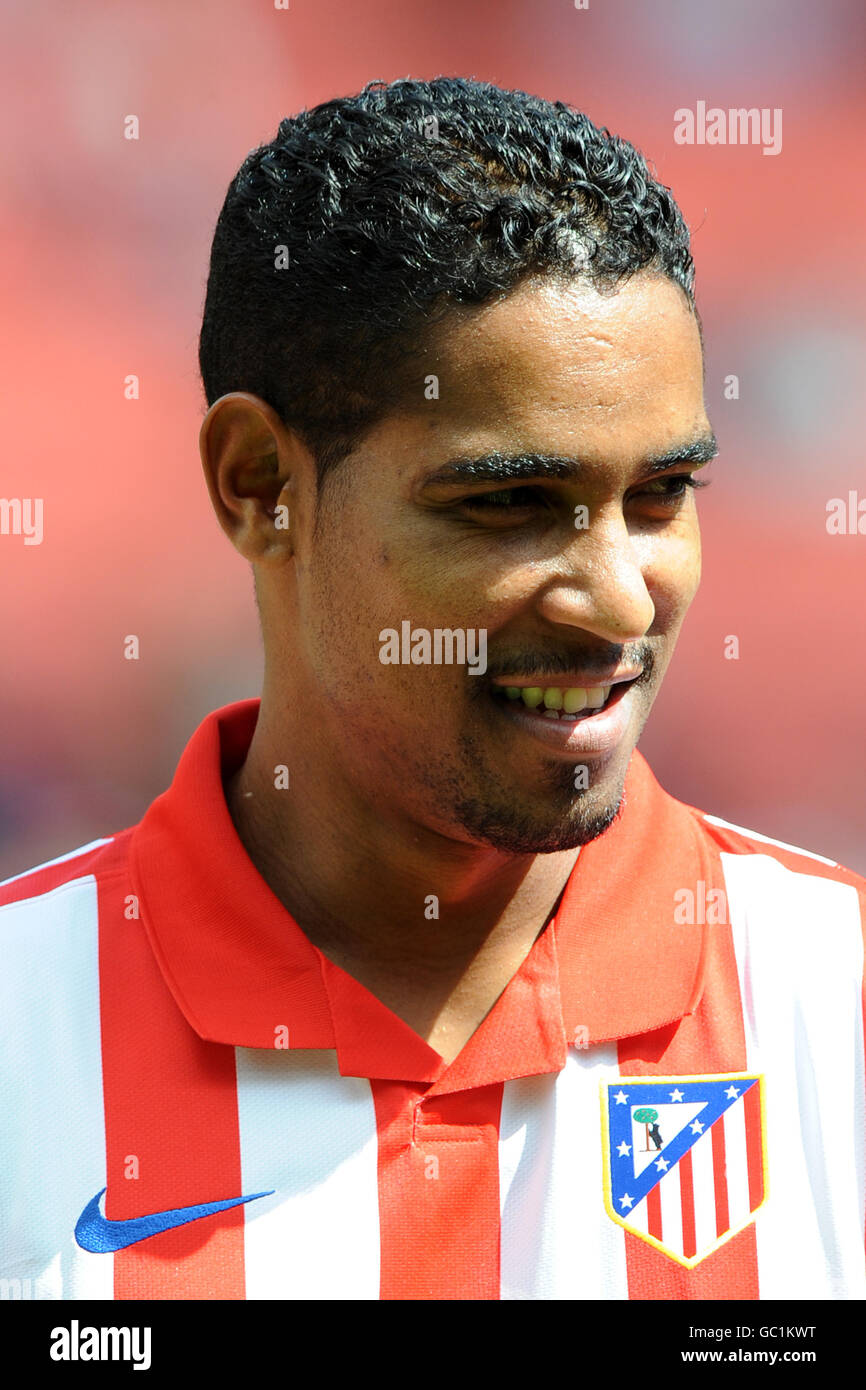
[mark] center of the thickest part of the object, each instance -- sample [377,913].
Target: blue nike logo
[96,1233]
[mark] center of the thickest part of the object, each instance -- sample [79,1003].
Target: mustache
[561,663]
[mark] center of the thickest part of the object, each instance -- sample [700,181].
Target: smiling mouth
[564,704]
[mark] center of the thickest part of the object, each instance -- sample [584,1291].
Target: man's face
[578,575]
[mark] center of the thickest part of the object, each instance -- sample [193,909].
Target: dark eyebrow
[512,468]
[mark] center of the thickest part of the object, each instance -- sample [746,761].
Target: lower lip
[595,733]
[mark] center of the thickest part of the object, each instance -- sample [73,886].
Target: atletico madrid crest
[684,1159]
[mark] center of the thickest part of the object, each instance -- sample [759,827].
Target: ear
[260,476]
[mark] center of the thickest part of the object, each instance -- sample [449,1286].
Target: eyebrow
[501,468]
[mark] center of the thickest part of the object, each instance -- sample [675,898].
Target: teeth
[553,701]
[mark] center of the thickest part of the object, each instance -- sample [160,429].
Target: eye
[506,499]
[672,489]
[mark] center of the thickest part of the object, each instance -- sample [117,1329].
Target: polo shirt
[666,1102]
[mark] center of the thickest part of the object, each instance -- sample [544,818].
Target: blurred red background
[106,245]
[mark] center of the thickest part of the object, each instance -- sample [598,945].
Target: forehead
[556,360]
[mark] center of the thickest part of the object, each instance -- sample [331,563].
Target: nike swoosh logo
[94,1232]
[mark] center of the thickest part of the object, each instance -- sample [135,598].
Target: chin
[515,833]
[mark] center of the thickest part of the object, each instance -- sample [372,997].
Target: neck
[389,892]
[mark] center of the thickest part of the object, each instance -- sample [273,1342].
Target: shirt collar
[610,965]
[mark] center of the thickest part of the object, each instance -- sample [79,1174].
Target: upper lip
[570,681]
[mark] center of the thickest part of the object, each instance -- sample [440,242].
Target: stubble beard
[572,816]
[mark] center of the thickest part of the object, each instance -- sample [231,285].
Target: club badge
[684,1159]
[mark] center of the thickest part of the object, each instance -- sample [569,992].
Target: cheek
[691,562]
[336,616]
[672,573]
[354,594]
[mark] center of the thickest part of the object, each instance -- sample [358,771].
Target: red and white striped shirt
[666,1102]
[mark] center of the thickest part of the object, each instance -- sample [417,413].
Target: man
[380,998]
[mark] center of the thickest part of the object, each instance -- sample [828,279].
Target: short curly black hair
[342,240]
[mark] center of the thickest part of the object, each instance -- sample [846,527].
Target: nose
[599,585]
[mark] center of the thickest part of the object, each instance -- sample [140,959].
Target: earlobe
[261,529]
[271,530]
[258,514]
